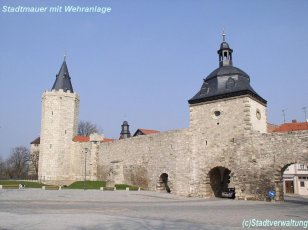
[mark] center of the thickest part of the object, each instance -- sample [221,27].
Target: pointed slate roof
[63,80]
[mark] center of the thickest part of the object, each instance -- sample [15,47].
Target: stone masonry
[60,111]
[225,145]
[256,160]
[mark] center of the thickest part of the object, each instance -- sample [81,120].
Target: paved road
[92,209]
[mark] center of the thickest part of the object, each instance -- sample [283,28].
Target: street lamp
[85,168]
[305,112]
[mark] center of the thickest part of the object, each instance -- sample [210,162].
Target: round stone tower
[60,110]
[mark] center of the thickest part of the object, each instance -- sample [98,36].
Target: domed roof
[224,45]
[227,70]
[225,81]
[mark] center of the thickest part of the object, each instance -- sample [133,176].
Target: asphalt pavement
[93,209]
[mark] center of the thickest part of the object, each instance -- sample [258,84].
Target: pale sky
[142,61]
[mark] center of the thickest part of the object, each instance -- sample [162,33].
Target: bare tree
[86,128]
[18,162]
[2,169]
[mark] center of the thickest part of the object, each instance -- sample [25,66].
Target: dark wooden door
[289,186]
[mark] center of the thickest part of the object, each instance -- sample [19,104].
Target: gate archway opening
[219,178]
[294,179]
[163,183]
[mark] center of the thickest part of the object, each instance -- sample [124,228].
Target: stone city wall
[256,162]
[232,140]
[142,160]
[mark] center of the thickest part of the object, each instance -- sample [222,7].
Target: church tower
[226,103]
[125,133]
[60,111]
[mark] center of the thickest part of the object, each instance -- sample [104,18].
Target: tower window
[230,83]
[205,88]
[302,184]
[50,146]
[217,113]
[258,114]
[225,56]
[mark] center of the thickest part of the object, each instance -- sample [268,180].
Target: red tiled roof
[36,141]
[294,126]
[271,127]
[81,139]
[107,140]
[87,139]
[146,131]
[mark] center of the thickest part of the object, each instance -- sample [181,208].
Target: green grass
[75,185]
[124,186]
[97,185]
[87,185]
[28,184]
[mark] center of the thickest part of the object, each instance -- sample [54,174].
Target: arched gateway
[295,180]
[219,180]
[163,183]
[227,137]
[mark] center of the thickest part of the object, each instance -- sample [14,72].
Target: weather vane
[223,34]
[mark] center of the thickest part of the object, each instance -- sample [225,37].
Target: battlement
[60,92]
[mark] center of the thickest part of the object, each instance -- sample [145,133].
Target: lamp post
[284,116]
[85,168]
